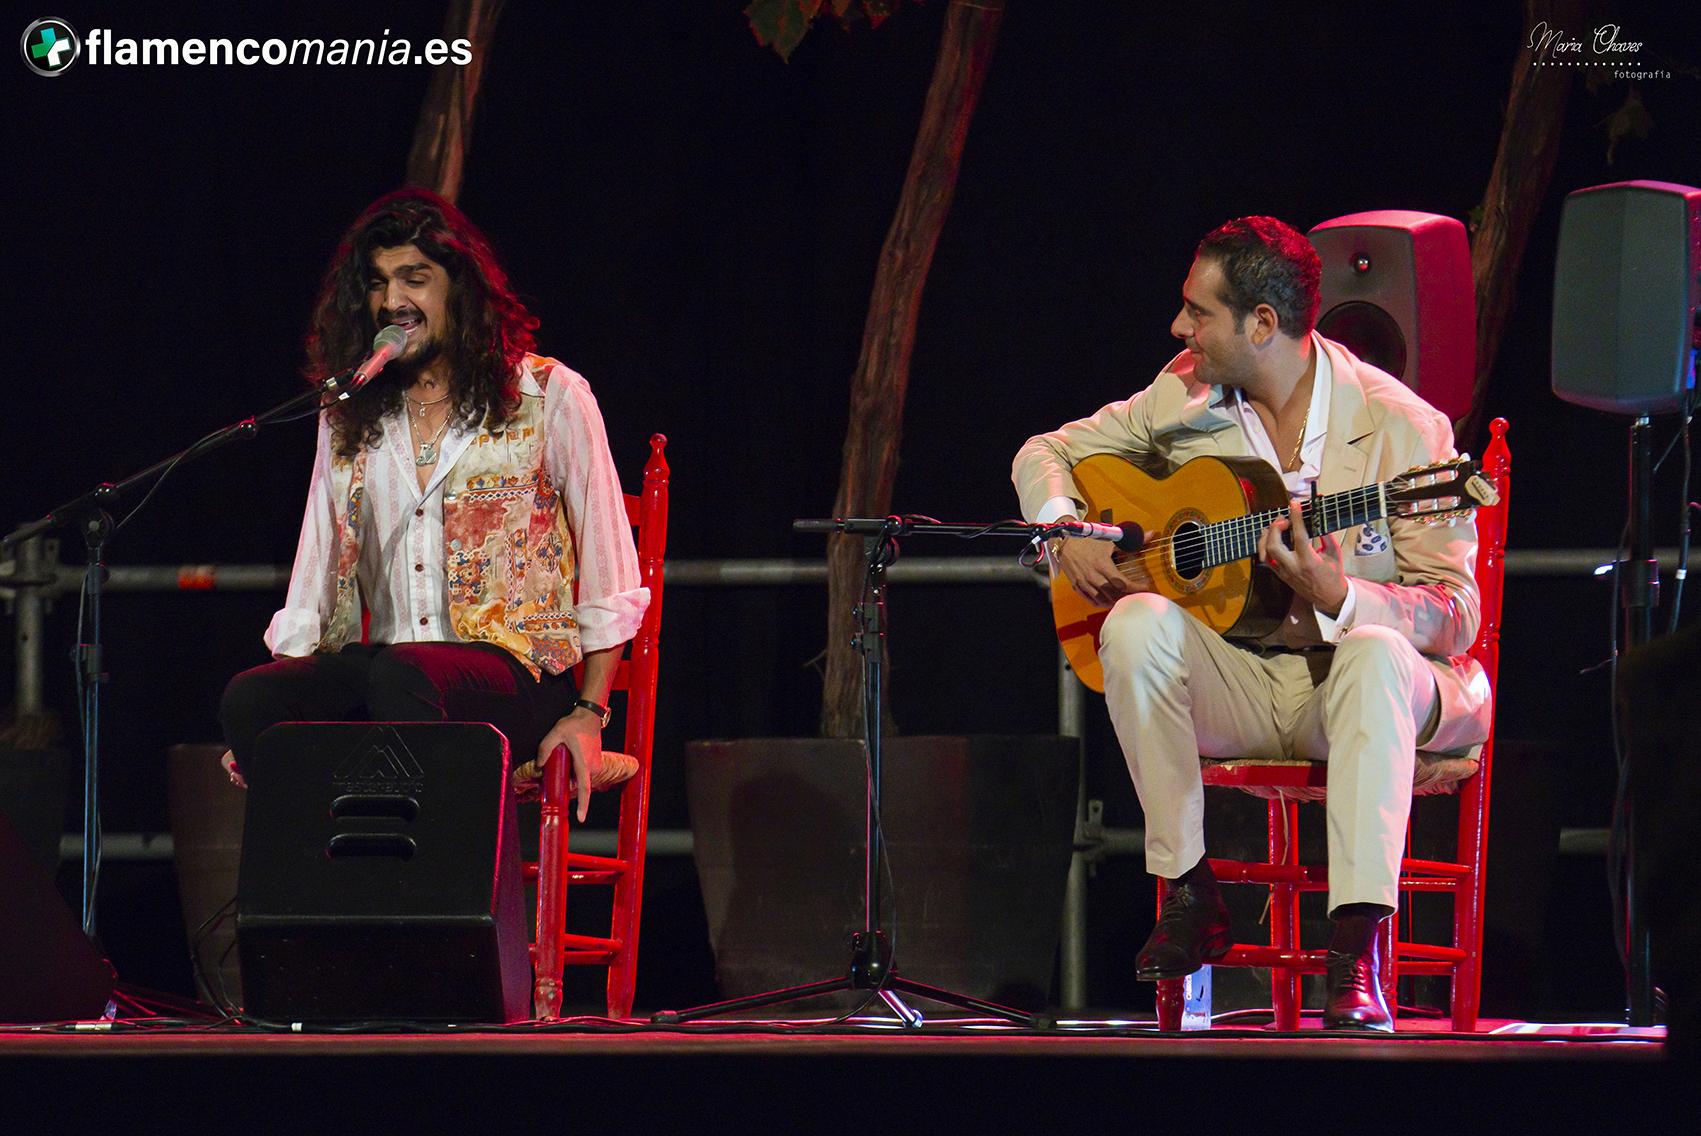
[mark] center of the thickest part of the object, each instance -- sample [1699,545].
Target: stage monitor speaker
[49,972]
[1626,287]
[1397,291]
[380,876]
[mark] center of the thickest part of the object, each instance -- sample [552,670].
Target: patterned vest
[509,552]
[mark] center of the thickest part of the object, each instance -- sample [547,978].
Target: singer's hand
[576,738]
[1092,569]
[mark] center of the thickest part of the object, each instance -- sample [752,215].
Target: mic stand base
[869,957]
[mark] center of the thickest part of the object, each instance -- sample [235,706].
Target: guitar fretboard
[1237,538]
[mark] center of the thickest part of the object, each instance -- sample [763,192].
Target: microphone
[386,345]
[1128,536]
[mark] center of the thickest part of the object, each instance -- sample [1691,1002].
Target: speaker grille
[1368,332]
[1624,296]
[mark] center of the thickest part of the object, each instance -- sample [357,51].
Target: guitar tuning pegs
[1482,490]
[1440,516]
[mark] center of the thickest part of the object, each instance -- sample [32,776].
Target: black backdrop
[696,225]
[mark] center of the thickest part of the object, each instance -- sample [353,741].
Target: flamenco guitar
[1202,524]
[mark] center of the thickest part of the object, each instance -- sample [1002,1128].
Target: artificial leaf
[781,24]
[1630,120]
[877,11]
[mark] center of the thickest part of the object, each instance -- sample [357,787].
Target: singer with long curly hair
[457,497]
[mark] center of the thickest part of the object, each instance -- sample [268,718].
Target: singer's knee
[248,698]
[401,687]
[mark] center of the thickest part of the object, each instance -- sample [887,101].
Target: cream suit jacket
[1418,579]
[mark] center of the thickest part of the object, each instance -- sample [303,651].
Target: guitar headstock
[1433,493]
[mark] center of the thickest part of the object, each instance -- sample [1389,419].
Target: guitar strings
[1231,533]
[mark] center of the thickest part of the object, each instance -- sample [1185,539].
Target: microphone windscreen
[392,337]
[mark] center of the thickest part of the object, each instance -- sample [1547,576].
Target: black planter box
[979,832]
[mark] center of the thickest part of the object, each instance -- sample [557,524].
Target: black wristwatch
[596,708]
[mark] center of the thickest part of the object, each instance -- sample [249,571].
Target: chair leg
[1171,999]
[1171,1002]
[1283,820]
[628,900]
[547,955]
[1465,997]
[1389,933]
[622,984]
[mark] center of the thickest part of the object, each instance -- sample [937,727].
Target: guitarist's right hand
[1092,570]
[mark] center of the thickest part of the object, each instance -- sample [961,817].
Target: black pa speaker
[380,876]
[1397,291]
[1626,287]
[49,972]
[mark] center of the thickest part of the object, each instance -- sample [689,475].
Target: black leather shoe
[1354,999]
[1192,930]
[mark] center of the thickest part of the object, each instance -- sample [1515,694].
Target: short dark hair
[1266,261]
[490,329]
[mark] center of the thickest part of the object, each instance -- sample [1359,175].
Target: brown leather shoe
[1354,999]
[1193,929]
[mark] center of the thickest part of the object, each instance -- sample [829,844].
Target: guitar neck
[1237,538]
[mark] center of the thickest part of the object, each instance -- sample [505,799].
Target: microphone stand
[89,513]
[1639,592]
[871,967]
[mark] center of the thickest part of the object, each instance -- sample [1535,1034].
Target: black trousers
[401,682]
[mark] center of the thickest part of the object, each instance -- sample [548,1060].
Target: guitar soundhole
[1188,545]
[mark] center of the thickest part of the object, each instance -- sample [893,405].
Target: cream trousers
[1178,690]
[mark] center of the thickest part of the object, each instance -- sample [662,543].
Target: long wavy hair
[489,330]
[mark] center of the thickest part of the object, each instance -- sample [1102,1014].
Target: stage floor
[798,1076]
[955,1037]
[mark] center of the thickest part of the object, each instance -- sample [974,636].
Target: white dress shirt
[402,574]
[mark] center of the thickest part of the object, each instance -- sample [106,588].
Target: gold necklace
[1299,442]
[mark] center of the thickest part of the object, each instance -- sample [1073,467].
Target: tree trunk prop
[1523,166]
[443,134]
[888,336]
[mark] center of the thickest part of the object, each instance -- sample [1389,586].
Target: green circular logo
[50,47]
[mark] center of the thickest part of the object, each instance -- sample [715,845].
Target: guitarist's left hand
[1311,568]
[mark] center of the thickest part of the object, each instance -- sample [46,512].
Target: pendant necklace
[428,449]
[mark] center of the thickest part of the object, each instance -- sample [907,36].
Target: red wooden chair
[557,867]
[1286,782]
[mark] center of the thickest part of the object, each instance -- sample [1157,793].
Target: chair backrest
[1491,588]
[1491,552]
[647,511]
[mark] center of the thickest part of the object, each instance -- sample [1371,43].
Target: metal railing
[34,578]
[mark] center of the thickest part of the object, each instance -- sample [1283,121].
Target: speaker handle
[351,844]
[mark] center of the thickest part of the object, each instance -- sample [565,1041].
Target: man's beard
[1220,372]
[406,368]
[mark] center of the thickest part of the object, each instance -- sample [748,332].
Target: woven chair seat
[1296,779]
[616,768]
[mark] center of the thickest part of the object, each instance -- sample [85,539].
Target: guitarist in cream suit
[1368,665]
